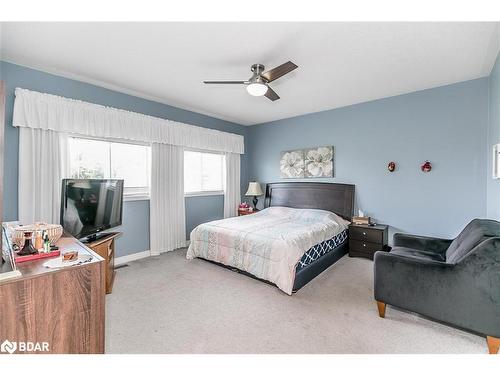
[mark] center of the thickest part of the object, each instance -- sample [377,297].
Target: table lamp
[254,191]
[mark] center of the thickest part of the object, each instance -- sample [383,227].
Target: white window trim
[127,197]
[203,193]
[135,197]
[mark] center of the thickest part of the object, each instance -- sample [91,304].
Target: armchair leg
[381,309]
[493,344]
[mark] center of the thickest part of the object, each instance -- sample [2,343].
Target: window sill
[203,194]
[131,198]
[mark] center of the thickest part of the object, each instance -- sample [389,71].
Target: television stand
[94,237]
[104,245]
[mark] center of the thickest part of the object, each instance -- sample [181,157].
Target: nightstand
[365,240]
[246,212]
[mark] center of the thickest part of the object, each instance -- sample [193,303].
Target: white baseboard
[136,256]
[131,257]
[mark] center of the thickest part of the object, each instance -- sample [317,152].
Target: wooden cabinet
[365,240]
[105,247]
[62,308]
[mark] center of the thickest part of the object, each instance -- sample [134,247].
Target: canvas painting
[308,163]
[292,164]
[318,162]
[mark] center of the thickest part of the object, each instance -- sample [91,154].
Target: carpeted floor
[168,304]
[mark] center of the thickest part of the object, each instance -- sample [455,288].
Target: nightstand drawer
[366,234]
[364,246]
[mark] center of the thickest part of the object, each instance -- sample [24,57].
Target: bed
[300,233]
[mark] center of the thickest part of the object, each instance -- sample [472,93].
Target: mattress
[321,249]
[267,244]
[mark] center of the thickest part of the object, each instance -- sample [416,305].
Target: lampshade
[257,89]
[254,189]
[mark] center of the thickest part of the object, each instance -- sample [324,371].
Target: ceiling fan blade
[225,82]
[279,71]
[271,94]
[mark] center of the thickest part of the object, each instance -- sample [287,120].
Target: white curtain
[167,211]
[232,188]
[43,157]
[51,112]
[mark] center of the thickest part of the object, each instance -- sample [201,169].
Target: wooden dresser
[105,247]
[62,307]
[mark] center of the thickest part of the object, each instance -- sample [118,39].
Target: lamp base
[254,201]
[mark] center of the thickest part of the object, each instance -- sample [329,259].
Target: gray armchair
[453,281]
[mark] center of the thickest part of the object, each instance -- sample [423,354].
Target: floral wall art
[308,163]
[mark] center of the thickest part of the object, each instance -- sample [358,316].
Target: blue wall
[446,125]
[135,214]
[493,186]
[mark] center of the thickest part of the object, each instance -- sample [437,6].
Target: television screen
[89,206]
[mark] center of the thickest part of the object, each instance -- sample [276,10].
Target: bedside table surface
[366,226]
[246,212]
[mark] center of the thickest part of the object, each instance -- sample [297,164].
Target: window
[91,158]
[203,173]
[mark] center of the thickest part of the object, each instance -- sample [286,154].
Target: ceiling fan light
[257,89]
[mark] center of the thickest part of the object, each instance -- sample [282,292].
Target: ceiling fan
[257,84]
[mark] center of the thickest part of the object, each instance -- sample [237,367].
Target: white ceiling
[339,63]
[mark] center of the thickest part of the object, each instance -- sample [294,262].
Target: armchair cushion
[421,243]
[418,254]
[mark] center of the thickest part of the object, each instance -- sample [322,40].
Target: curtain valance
[51,112]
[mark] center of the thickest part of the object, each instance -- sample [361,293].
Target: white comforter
[267,244]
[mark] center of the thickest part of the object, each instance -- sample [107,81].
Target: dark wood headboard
[338,198]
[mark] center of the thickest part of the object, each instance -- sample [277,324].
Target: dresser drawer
[364,246]
[366,234]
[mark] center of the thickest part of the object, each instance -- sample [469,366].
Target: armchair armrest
[437,245]
[408,282]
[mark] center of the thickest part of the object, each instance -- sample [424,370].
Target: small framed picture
[496,161]
[7,249]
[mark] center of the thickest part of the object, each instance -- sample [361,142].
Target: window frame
[127,195]
[204,193]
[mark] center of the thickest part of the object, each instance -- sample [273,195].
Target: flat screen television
[89,206]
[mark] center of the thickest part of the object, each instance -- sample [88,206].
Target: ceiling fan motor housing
[257,70]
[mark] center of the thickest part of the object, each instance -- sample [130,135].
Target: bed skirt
[305,274]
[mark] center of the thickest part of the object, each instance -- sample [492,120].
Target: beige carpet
[168,304]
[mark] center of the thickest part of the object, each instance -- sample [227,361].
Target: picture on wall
[292,164]
[307,163]
[319,162]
